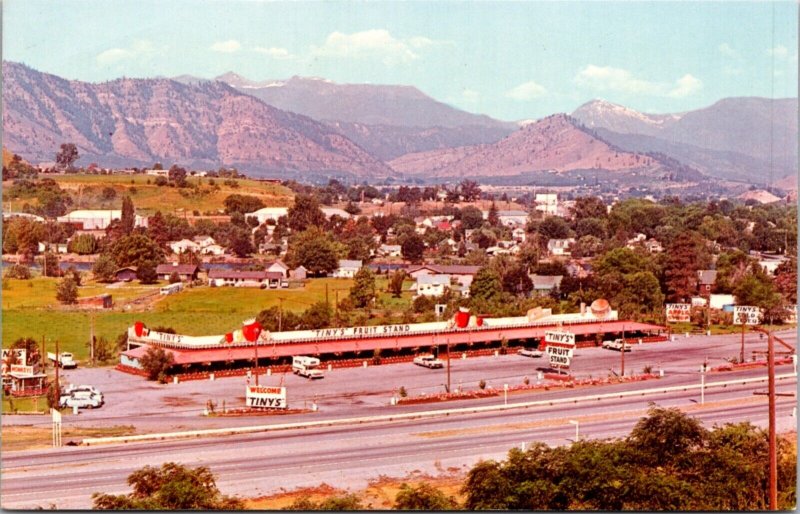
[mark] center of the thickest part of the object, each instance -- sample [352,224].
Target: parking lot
[149,406]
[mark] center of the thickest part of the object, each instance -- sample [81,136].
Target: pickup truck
[428,361]
[64,360]
[617,344]
[307,367]
[530,352]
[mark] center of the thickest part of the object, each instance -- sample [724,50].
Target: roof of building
[511,213]
[546,282]
[181,269]
[432,280]
[446,270]
[344,263]
[127,268]
[707,276]
[93,213]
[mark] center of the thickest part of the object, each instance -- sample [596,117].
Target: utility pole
[327,303]
[58,387]
[773,449]
[741,350]
[43,358]
[448,364]
[255,348]
[622,353]
[91,341]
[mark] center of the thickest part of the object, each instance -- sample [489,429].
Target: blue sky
[510,60]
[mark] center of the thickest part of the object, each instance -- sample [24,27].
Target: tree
[589,207]
[135,249]
[471,217]
[470,190]
[19,272]
[177,175]
[517,281]
[31,347]
[363,290]
[317,316]
[146,272]
[413,248]
[396,283]
[49,262]
[487,284]
[758,289]
[554,227]
[786,280]
[665,434]
[305,213]
[128,217]
[67,156]
[83,244]
[242,204]
[493,217]
[423,497]
[240,242]
[170,487]
[313,249]
[67,291]
[156,362]
[104,268]
[685,256]
[345,502]
[174,277]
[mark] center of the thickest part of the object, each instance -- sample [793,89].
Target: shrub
[482,384]
[402,392]
[67,291]
[19,271]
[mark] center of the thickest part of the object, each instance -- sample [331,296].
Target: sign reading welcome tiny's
[560,347]
[266,397]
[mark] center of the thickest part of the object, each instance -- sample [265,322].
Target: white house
[347,269]
[546,203]
[214,249]
[432,285]
[278,267]
[390,250]
[559,246]
[184,245]
[53,247]
[268,213]
[204,241]
[97,219]
[157,173]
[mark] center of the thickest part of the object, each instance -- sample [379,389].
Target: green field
[34,312]
[148,198]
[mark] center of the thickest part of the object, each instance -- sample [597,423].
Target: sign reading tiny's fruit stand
[559,349]
[266,397]
[746,315]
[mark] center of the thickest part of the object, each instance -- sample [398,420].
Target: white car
[82,400]
[72,388]
[428,361]
[529,352]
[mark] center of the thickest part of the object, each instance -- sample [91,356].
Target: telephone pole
[622,353]
[255,348]
[280,314]
[773,448]
[91,335]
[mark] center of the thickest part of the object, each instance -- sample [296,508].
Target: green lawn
[199,311]
[40,292]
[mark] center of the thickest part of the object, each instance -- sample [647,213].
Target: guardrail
[417,415]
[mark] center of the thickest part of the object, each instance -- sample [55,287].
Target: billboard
[678,312]
[267,397]
[560,338]
[746,315]
[559,357]
[21,358]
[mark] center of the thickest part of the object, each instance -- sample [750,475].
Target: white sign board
[746,315]
[678,312]
[21,358]
[560,338]
[264,396]
[22,370]
[559,357]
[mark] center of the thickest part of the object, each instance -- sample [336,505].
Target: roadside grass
[26,437]
[25,404]
[148,198]
[201,310]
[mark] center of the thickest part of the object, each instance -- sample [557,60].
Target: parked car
[81,400]
[428,361]
[530,352]
[617,344]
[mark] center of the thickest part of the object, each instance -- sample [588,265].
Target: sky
[510,60]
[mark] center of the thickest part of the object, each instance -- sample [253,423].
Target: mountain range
[302,127]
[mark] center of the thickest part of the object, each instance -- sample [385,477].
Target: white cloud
[274,52]
[226,47]
[138,49]
[726,50]
[779,51]
[527,91]
[373,44]
[608,78]
[686,86]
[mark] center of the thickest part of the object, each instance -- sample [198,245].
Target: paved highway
[151,407]
[256,464]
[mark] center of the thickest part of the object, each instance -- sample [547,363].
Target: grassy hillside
[7,156]
[205,195]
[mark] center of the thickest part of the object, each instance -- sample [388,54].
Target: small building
[53,247]
[431,285]
[519,234]
[718,301]
[513,218]
[26,384]
[278,267]
[237,278]
[184,245]
[96,219]
[299,273]
[214,249]
[436,269]
[706,278]
[558,247]
[546,284]
[653,246]
[125,274]
[347,268]
[547,203]
[187,272]
[390,250]
[102,301]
